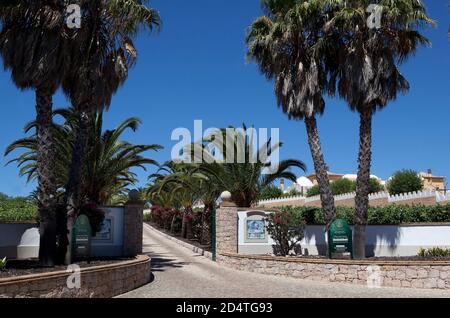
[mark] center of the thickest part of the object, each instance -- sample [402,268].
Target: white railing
[440,197]
[345,196]
[412,196]
[379,195]
[284,199]
[312,199]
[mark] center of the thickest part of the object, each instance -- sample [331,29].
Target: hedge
[17,209]
[343,186]
[386,215]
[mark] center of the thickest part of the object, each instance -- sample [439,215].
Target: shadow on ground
[163,261]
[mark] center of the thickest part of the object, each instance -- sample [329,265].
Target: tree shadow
[385,238]
[161,262]
[315,236]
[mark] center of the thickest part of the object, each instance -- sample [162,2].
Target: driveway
[180,273]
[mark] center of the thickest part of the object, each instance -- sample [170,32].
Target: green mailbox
[81,238]
[340,240]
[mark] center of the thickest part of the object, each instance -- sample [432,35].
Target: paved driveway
[180,273]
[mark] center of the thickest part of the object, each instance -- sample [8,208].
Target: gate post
[133,219]
[227,226]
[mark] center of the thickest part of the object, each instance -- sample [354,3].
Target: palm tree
[244,180]
[369,76]
[183,185]
[109,161]
[209,193]
[32,46]
[102,52]
[177,185]
[164,198]
[284,45]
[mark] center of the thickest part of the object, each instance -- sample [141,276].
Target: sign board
[81,238]
[340,241]
[256,229]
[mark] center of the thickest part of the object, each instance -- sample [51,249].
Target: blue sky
[195,68]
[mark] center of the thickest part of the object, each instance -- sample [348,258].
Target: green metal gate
[213,233]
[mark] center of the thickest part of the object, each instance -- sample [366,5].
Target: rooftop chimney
[282,185]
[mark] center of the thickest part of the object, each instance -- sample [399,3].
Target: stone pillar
[133,220]
[227,226]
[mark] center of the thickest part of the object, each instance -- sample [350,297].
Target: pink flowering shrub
[286,227]
[164,217]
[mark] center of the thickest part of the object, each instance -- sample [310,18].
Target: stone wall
[414,274]
[227,229]
[96,282]
[133,219]
[379,202]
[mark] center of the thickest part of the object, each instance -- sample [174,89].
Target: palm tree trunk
[183,223]
[46,179]
[362,183]
[172,224]
[204,233]
[73,188]
[326,196]
[189,223]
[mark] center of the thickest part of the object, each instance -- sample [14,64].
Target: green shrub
[434,252]
[343,186]
[286,227]
[17,209]
[270,192]
[404,181]
[392,214]
[292,193]
[375,186]
[3,263]
[313,191]
[147,217]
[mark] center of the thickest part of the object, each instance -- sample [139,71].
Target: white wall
[114,247]
[10,235]
[381,240]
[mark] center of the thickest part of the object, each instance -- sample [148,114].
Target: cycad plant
[368,74]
